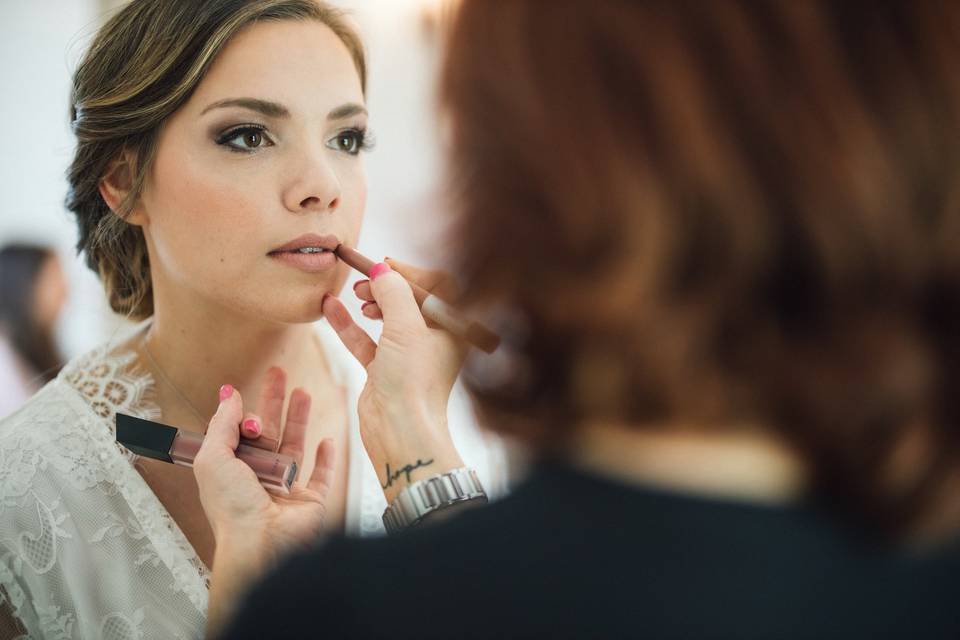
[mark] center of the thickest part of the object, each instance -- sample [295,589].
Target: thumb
[395,298]
[223,432]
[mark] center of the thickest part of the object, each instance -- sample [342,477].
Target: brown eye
[351,141]
[347,142]
[247,138]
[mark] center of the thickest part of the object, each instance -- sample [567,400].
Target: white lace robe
[86,548]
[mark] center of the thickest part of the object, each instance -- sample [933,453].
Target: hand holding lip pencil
[431,306]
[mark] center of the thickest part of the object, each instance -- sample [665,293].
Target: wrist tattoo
[407,470]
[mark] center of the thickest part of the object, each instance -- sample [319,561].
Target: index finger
[270,406]
[439,283]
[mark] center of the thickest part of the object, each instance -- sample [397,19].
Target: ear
[117,183]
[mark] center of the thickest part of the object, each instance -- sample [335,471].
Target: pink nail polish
[251,426]
[225,392]
[378,270]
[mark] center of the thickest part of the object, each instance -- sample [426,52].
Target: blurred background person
[33,292]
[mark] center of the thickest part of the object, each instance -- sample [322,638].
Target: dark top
[569,555]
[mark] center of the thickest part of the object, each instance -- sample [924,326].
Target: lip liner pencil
[431,306]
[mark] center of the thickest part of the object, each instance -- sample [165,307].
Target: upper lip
[330,242]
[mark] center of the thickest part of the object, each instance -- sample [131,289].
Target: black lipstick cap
[145,438]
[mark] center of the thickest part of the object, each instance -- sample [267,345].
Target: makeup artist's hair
[143,65]
[20,269]
[716,214]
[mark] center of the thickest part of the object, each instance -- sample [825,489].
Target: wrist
[395,476]
[238,562]
[241,553]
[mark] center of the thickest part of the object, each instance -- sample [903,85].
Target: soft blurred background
[40,45]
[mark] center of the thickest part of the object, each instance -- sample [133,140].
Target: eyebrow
[276,110]
[270,109]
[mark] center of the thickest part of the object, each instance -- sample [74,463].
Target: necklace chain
[163,374]
[183,398]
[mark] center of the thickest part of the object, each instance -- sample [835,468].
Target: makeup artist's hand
[410,373]
[252,527]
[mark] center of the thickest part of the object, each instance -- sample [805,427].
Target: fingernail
[378,270]
[251,426]
[358,283]
[365,305]
[225,392]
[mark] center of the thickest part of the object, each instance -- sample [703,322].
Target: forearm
[236,568]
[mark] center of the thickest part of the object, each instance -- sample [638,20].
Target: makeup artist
[721,238]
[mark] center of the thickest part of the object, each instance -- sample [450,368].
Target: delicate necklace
[163,374]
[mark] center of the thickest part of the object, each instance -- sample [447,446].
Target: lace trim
[108,383]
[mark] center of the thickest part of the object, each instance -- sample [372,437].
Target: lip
[308,262]
[330,242]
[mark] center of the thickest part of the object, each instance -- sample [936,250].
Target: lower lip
[309,262]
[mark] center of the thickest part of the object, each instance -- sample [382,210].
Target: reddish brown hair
[720,213]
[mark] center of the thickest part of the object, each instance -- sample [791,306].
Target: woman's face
[258,171]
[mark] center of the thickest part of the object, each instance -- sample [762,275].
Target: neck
[198,348]
[740,464]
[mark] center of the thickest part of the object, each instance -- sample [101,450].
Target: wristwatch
[432,494]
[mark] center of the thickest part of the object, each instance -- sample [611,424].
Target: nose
[314,185]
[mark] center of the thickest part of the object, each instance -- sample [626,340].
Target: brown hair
[20,268]
[721,213]
[143,65]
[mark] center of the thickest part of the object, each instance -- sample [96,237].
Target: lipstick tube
[275,471]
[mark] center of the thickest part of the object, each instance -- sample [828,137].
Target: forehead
[301,64]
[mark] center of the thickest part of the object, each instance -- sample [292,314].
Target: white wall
[40,44]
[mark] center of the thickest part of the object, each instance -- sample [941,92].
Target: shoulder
[63,437]
[45,415]
[364,587]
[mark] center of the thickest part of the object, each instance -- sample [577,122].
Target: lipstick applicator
[275,471]
[432,307]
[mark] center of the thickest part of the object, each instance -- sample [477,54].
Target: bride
[218,162]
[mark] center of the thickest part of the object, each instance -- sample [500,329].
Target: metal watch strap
[431,494]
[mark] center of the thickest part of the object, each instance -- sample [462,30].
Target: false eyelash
[232,132]
[367,139]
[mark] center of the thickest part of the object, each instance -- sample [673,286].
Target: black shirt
[569,555]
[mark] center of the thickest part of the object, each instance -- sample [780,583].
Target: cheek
[356,205]
[201,217]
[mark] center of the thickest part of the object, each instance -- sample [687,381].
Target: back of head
[723,213]
[20,269]
[143,65]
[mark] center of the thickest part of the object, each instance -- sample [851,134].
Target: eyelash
[233,132]
[363,138]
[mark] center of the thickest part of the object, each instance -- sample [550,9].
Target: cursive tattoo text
[392,477]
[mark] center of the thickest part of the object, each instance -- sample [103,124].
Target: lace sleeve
[16,616]
[85,550]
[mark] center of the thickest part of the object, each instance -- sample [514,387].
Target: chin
[295,306]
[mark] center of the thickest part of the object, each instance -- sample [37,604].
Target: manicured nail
[225,392]
[251,426]
[378,270]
